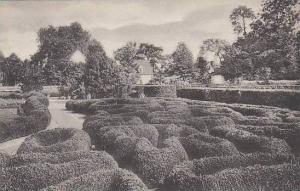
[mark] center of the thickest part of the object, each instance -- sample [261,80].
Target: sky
[115,22]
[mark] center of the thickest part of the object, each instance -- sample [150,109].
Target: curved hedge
[4,159]
[102,158]
[56,140]
[33,116]
[201,145]
[248,142]
[104,180]
[194,175]
[36,176]
[120,141]
[153,164]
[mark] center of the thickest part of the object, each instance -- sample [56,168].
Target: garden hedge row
[285,99]
[56,140]
[156,91]
[104,180]
[239,172]
[33,116]
[153,164]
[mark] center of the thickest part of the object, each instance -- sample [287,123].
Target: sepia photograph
[149,95]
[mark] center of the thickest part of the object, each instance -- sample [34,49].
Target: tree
[132,51]
[56,46]
[12,69]
[275,32]
[216,46]
[240,19]
[32,78]
[201,73]
[101,74]
[182,62]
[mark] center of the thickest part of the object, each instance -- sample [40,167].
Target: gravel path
[59,118]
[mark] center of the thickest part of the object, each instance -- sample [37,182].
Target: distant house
[145,69]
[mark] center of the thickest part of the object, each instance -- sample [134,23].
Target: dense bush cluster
[180,144]
[61,159]
[56,140]
[33,116]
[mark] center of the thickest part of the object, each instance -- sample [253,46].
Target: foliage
[215,46]
[12,68]
[201,71]
[56,46]
[239,18]
[101,74]
[182,62]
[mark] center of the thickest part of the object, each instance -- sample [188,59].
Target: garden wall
[279,98]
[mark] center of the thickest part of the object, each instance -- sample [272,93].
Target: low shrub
[192,175]
[159,91]
[4,159]
[291,135]
[95,122]
[102,158]
[153,164]
[120,141]
[201,145]
[104,180]
[247,142]
[209,122]
[56,140]
[80,106]
[40,175]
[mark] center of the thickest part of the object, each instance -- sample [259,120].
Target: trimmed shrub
[95,122]
[201,145]
[4,131]
[170,130]
[192,175]
[248,142]
[278,98]
[100,157]
[291,136]
[209,122]
[278,177]
[153,164]
[104,180]
[4,159]
[40,175]
[80,106]
[56,140]
[159,91]
[120,141]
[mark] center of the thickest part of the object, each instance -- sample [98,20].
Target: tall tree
[215,46]
[12,69]
[101,73]
[182,62]
[240,19]
[56,46]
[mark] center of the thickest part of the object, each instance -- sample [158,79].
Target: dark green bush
[4,159]
[153,164]
[100,157]
[120,141]
[104,180]
[193,175]
[278,98]
[201,145]
[80,106]
[158,91]
[248,142]
[56,140]
[36,176]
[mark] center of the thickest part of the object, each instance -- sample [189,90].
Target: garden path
[60,117]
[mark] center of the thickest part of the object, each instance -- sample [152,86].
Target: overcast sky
[115,22]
